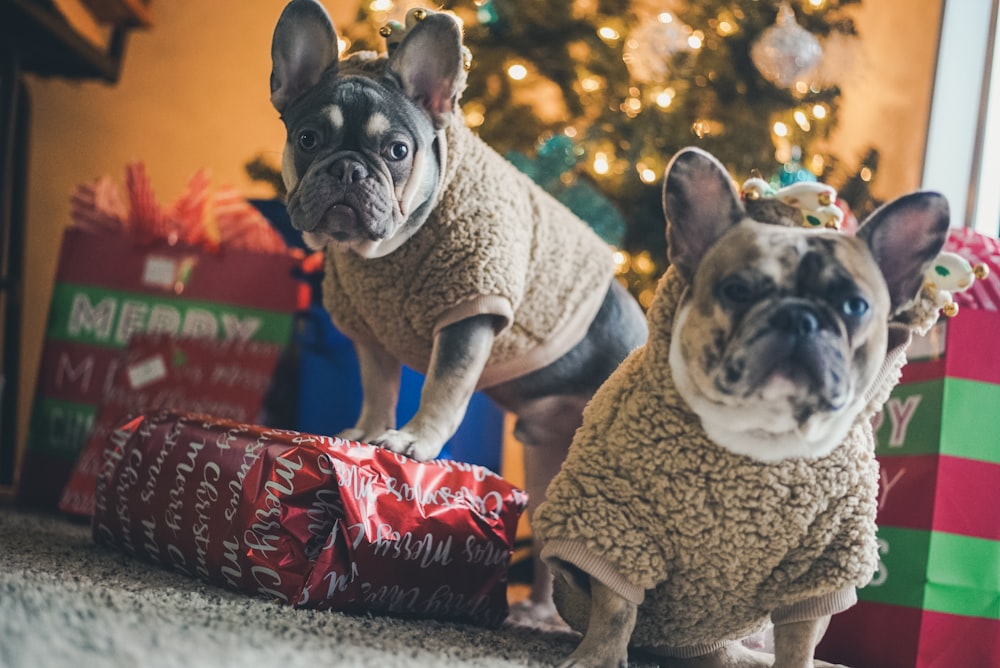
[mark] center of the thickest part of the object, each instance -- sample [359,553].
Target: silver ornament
[650,47]
[785,52]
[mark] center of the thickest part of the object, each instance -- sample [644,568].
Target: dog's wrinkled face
[360,160]
[783,329]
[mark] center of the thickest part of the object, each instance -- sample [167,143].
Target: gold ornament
[981,271]
[950,309]
[420,14]
[385,31]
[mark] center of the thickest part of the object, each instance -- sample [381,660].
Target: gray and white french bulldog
[365,166]
[768,350]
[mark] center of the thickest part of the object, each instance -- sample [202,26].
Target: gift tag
[146,372]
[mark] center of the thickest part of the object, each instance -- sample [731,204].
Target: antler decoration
[949,274]
[816,201]
[394,32]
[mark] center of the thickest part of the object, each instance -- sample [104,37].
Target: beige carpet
[66,602]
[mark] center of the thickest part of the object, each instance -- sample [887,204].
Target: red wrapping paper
[313,521]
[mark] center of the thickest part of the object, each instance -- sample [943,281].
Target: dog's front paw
[407,443]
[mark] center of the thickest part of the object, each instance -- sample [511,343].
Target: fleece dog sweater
[495,244]
[711,545]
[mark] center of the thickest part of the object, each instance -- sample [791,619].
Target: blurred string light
[622,261]
[601,164]
[817,164]
[665,98]
[646,173]
[632,106]
[608,34]
[802,120]
[726,24]
[517,72]
[475,114]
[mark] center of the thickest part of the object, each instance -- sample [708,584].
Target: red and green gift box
[935,600]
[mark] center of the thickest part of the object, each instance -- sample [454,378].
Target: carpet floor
[66,602]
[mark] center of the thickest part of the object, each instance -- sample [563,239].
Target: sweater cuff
[494,305]
[814,608]
[559,553]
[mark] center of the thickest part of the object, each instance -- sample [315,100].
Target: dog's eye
[397,150]
[308,140]
[736,291]
[854,307]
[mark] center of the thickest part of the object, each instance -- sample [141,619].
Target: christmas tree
[593,97]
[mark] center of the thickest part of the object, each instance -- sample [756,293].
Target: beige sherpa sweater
[495,244]
[707,542]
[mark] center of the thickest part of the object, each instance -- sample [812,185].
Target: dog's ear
[904,237]
[429,66]
[303,47]
[700,203]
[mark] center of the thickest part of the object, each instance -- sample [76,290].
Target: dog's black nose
[797,320]
[348,171]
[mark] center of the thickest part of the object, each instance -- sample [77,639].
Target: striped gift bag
[935,599]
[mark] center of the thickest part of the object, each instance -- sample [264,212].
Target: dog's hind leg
[545,427]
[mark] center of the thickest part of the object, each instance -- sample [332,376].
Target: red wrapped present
[312,521]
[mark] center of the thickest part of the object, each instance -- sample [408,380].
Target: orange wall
[194,92]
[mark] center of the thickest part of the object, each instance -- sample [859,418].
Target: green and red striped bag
[935,599]
[109,287]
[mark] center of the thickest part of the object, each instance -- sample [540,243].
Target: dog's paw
[406,443]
